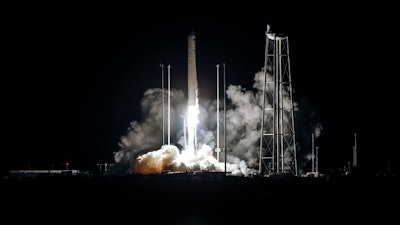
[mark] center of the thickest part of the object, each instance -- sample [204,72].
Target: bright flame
[192,121]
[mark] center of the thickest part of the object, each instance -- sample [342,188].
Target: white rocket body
[192,74]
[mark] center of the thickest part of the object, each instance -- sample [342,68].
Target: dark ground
[198,199]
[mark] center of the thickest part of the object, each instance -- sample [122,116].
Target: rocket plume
[192,121]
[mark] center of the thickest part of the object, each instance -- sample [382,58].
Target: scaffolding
[277,141]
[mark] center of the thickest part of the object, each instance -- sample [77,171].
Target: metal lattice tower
[277,141]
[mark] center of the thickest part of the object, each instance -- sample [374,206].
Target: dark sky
[77,72]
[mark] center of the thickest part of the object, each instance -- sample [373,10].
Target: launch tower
[277,141]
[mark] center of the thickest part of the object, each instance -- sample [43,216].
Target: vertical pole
[355,151]
[169,104]
[316,159]
[184,132]
[217,150]
[224,118]
[281,134]
[312,153]
[276,106]
[275,158]
[163,107]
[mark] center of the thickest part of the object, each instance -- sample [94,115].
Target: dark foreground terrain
[198,199]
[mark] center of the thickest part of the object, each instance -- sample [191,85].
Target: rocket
[192,74]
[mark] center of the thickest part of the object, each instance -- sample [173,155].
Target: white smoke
[169,159]
[243,118]
[242,122]
[145,135]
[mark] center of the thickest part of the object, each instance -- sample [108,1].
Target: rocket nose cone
[192,33]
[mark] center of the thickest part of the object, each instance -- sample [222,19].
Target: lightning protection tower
[277,141]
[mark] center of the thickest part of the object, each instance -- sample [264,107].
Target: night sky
[77,73]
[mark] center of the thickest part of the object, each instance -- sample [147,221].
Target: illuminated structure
[277,141]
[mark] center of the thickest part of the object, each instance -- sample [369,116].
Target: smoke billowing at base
[168,158]
[142,148]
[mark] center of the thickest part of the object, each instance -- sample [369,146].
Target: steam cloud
[243,118]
